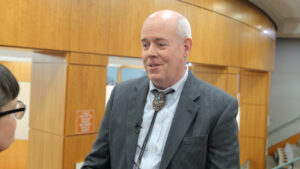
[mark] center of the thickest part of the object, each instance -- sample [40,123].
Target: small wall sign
[85,121]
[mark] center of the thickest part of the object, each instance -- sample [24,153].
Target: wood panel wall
[21,70]
[225,78]
[227,33]
[15,157]
[63,84]
[90,25]
[254,111]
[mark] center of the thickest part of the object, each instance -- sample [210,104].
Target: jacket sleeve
[99,158]
[223,144]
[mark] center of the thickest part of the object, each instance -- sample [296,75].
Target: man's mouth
[154,65]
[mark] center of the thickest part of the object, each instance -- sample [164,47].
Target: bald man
[168,119]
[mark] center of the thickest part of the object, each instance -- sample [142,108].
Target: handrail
[283,125]
[245,164]
[287,163]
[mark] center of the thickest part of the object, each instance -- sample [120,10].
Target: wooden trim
[119,75]
[87,59]
[202,68]
[291,140]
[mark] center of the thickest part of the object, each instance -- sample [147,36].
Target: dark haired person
[10,108]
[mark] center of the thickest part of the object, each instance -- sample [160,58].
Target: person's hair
[9,87]
[183,27]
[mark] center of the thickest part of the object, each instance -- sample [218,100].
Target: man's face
[163,52]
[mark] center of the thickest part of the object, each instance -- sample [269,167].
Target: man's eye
[145,45]
[161,44]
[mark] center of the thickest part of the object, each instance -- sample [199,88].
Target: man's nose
[152,51]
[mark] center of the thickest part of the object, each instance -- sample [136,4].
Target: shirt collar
[178,86]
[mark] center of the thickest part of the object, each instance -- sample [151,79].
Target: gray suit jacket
[203,134]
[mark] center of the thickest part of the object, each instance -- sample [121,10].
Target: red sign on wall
[85,121]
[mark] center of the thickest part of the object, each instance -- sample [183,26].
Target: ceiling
[285,13]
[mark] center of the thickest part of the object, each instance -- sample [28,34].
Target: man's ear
[187,46]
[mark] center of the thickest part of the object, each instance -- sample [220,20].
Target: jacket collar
[186,111]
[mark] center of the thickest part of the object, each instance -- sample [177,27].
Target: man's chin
[158,82]
[155,78]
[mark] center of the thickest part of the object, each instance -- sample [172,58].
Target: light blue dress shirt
[156,143]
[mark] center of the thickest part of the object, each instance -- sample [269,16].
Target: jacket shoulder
[131,85]
[134,82]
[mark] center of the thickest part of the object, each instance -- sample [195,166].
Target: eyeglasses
[18,112]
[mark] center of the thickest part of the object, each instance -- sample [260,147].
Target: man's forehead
[158,31]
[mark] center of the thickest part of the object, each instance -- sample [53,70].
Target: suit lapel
[136,103]
[184,115]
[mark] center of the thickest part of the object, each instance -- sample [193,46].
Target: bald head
[166,41]
[172,18]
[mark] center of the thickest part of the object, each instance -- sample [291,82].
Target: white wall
[285,90]
[109,89]
[23,124]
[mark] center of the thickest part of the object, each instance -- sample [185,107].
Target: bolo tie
[158,103]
